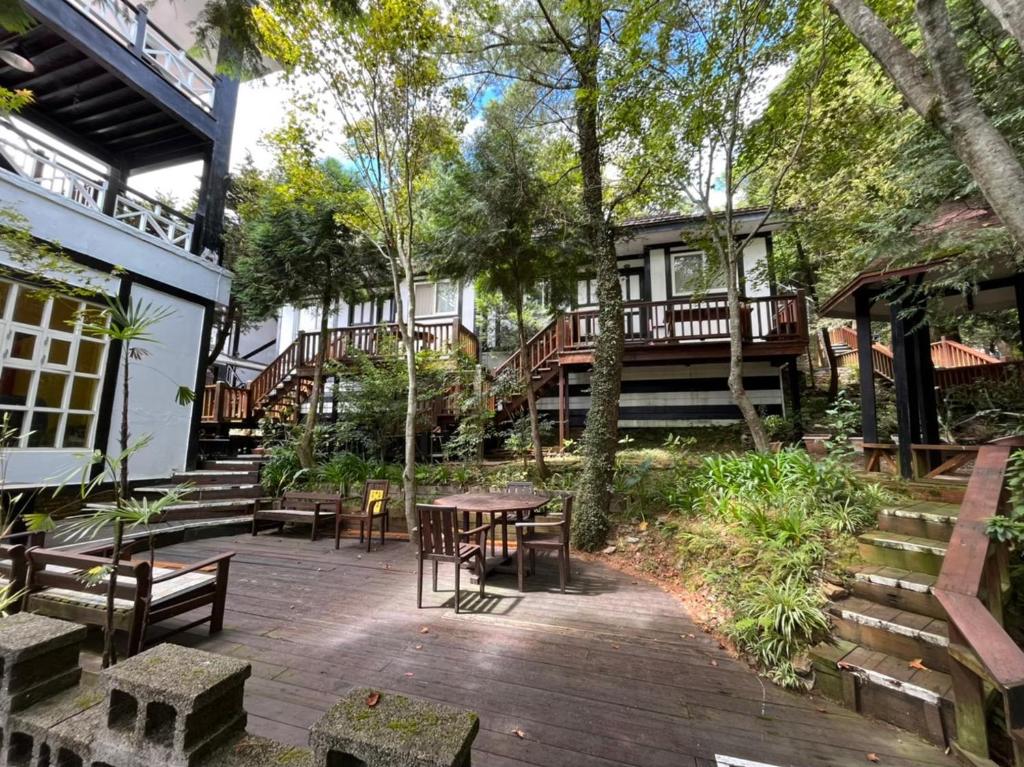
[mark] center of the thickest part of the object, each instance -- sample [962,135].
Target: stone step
[218,476]
[208,492]
[896,632]
[895,587]
[907,552]
[886,687]
[922,519]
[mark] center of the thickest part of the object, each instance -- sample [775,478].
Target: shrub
[767,527]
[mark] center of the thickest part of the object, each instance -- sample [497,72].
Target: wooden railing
[225,404]
[970,588]
[953,354]
[843,335]
[344,343]
[768,318]
[1006,370]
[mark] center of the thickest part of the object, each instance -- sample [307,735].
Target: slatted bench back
[135,586]
[303,501]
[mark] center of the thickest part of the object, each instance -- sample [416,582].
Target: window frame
[674,252]
[39,365]
[454,312]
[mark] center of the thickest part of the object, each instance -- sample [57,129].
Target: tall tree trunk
[736,339]
[409,471]
[946,99]
[600,437]
[1010,14]
[531,395]
[305,446]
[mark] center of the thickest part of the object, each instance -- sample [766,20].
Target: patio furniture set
[57,582]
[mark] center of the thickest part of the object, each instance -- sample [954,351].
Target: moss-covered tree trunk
[591,518]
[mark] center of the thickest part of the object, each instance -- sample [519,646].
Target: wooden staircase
[917,632]
[955,363]
[542,356]
[286,384]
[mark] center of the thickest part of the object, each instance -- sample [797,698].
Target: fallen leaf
[615,647]
[425,630]
[873,758]
[918,664]
[518,733]
[714,663]
[609,550]
[409,673]
[419,647]
[642,526]
[373,699]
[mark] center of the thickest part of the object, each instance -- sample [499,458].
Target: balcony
[129,26]
[63,175]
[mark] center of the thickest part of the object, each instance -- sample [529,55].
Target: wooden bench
[301,509]
[952,457]
[877,453]
[55,587]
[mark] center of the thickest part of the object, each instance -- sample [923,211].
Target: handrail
[845,335]
[970,588]
[947,353]
[130,26]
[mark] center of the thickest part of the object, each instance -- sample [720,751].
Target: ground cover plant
[759,534]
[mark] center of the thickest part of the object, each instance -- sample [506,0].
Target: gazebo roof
[994,293]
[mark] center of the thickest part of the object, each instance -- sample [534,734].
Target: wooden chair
[526,488]
[299,508]
[528,540]
[374,505]
[55,587]
[442,541]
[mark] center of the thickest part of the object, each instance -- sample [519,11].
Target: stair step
[905,634]
[886,687]
[218,476]
[896,587]
[923,519]
[908,552]
[208,492]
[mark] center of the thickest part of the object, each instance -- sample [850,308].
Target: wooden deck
[612,673]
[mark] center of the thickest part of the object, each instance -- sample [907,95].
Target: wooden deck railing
[946,353]
[225,404]
[343,343]
[970,588]
[843,335]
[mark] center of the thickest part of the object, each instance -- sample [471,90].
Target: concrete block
[38,658]
[395,730]
[173,705]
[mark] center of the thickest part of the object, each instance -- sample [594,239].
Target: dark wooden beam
[102,82]
[109,108]
[866,364]
[906,406]
[126,128]
[1018,291]
[62,131]
[131,69]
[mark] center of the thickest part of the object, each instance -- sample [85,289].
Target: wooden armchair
[549,535]
[374,505]
[442,541]
[55,587]
[299,508]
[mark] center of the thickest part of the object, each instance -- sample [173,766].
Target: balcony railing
[64,175]
[130,26]
[768,318]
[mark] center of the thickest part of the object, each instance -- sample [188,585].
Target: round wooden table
[496,505]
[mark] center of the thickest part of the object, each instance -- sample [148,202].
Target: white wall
[153,383]
[63,222]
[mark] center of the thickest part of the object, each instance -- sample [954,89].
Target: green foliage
[843,420]
[778,520]
[982,411]
[781,428]
[1009,528]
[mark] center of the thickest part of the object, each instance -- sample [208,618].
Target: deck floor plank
[612,673]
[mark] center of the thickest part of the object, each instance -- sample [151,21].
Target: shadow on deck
[612,673]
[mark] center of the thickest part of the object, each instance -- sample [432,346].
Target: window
[51,372]
[364,313]
[690,273]
[437,298]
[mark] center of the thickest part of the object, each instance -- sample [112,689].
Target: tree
[569,51]
[383,73]
[937,85]
[715,61]
[302,253]
[503,215]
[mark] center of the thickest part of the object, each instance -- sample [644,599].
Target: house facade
[677,327]
[115,93]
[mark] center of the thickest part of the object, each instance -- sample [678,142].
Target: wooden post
[563,406]
[793,375]
[971,727]
[1018,290]
[115,186]
[141,22]
[903,375]
[866,362]
[923,380]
